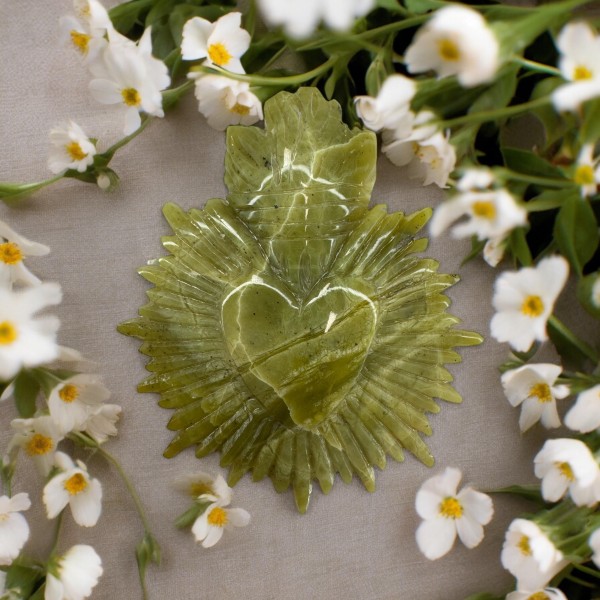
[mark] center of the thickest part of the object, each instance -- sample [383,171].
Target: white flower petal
[469,531]
[435,537]
[213,536]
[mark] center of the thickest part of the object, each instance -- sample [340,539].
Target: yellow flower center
[10,253]
[451,508]
[584,175]
[198,488]
[581,72]
[484,209]
[131,97]
[75,152]
[539,596]
[68,393]
[448,50]
[39,445]
[8,333]
[524,547]
[218,54]
[542,392]
[76,484]
[532,306]
[217,517]
[80,40]
[3,517]
[566,471]
[240,109]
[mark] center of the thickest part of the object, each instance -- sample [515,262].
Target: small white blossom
[226,102]
[205,487]
[128,75]
[455,41]
[594,543]
[391,105]
[14,249]
[300,18]
[74,575]
[524,301]
[39,438]
[587,172]
[73,400]
[539,594]
[101,422]
[494,249]
[72,485]
[14,530]
[584,415]
[427,152]
[93,14]
[579,64]
[26,341]
[209,526]
[71,149]
[221,43]
[530,555]
[447,512]
[533,387]
[567,464]
[490,214]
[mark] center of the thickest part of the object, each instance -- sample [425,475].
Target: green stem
[290,80]
[57,529]
[492,115]
[108,154]
[10,192]
[535,179]
[588,570]
[585,348]
[536,66]
[578,581]
[392,27]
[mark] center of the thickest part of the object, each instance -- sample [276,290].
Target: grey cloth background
[350,544]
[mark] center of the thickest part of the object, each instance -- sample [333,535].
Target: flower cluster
[75,408]
[210,514]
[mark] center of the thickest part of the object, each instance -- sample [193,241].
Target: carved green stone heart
[310,352]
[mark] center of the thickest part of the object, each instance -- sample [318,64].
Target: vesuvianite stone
[291,327]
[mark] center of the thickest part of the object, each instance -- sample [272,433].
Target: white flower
[14,530]
[580,64]
[205,487]
[594,543]
[14,248]
[427,152]
[478,178]
[25,341]
[226,102]
[524,301]
[584,415]
[391,105]
[539,594]
[491,214]
[532,386]
[455,41]
[74,575]
[71,149]
[446,513]
[73,486]
[587,173]
[39,438]
[221,43]
[128,74]
[530,555]
[93,14]
[208,527]
[73,400]
[300,18]
[100,423]
[567,464]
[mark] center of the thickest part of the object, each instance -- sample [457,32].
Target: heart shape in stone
[309,352]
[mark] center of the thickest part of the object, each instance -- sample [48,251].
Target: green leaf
[162,41]
[476,247]
[585,294]
[484,596]
[576,231]
[590,127]
[191,514]
[146,552]
[161,9]
[548,200]
[500,93]
[517,243]
[525,161]
[529,492]
[555,125]
[126,16]
[378,71]
[26,390]
[48,379]
[422,6]
[22,577]
[391,5]
[339,71]
[572,355]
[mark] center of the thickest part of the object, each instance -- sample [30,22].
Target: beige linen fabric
[350,544]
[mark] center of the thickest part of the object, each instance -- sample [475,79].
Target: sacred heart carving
[292,328]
